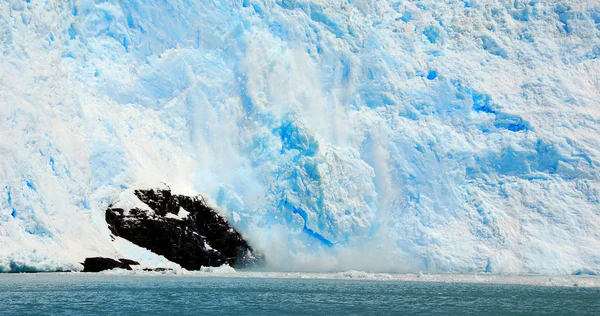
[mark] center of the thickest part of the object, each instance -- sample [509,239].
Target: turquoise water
[76,294]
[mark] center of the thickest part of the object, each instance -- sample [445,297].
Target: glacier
[385,136]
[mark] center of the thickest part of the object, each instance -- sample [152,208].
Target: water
[76,294]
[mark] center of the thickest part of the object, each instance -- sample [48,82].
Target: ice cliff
[453,136]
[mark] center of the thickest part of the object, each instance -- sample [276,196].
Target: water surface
[77,294]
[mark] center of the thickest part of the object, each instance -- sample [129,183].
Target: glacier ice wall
[379,135]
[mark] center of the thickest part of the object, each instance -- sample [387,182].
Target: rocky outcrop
[97,264]
[183,229]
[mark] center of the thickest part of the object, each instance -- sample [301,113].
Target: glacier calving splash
[457,136]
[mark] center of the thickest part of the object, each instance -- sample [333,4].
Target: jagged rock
[97,264]
[129,262]
[183,229]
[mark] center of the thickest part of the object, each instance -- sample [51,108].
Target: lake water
[84,294]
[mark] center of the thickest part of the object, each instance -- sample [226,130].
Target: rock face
[183,229]
[98,264]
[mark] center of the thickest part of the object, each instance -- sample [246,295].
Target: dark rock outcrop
[157,269]
[97,264]
[183,229]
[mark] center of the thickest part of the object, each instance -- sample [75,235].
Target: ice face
[377,135]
